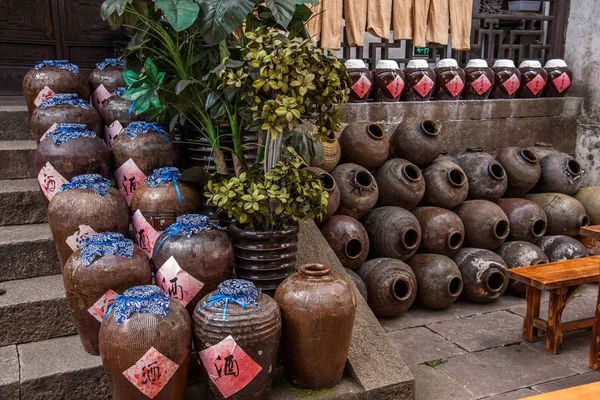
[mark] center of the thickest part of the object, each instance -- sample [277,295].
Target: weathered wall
[583,56]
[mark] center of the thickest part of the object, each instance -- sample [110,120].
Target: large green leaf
[110,7]
[282,10]
[220,18]
[181,14]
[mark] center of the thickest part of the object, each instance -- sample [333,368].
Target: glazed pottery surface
[520,254]
[348,240]
[393,232]
[446,184]
[58,80]
[439,280]
[486,225]
[565,214]
[365,144]
[443,232]
[401,184]
[358,189]
[483,273]
[487,178]
[560,248]
[417,140]
[527,219]
[522,169]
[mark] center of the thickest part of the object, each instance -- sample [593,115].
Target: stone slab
[571,381]
[22,203]
[60,369]
[433,385]
[419,345]
[17,159]
[483,331]
[466,308]
[575,350]
[27,251]
[503,369]
[14,122]
[417,316]
[34,309]
[514,395]
[586,151]
[9,372]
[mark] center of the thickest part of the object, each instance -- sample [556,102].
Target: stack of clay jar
[414,224]
[418,82]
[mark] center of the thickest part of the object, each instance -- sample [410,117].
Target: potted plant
[267,208]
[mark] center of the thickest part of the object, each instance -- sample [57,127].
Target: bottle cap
[355,64]
[447,62]
[387,64]
[504,63]
[477,63]
[555,63]
[530,64]
[417,64]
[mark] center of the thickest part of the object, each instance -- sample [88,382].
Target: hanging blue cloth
[239,291]
[95,182]
[139,127]
[64,99]
[65,132]
[109,62]
[120,91]
[139,299]
[105,244]
[187,225]
[165,174]
[62,64]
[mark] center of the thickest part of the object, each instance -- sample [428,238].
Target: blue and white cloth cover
[162,175]
[95,182]
[105,244]
[65,99]
[187,225]
[120,91]
[65,132]
[139,127]
[147,299]
[62,64]
[239,291]
[109,62]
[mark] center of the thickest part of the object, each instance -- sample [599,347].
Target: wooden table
[562,279]
[593,232]
[591,391]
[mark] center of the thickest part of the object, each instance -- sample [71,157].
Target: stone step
[17,159]
[22,202]
[27,251]
[14,122]
[34,309]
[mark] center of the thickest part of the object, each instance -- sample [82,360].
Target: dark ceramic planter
[199,152]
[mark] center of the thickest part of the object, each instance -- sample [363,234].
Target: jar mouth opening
[475,149]
[497,171]
[501,229]
[410,238]
[543,144]
[412,172]
[331,137]
[375,131]
[328,181]
[454,240]
[353,249]
[430,127]
[574,168]
[455,286]
[528,156]
[401,289]
[538,262]
[363,179]
[539,228]
[456,177]
[495,281]
[315,270]
[585,221]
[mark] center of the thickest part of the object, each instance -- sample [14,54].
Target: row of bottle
[418,82]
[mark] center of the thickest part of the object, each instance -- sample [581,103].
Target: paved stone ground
[482,351]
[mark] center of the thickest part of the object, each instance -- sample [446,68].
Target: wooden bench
[592,232]
[591,391]
[562,279]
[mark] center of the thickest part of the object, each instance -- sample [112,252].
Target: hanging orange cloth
[402,16]
[379,18]
[355,15]
[313,26]
[420,16]
[437,24]
[461,18]
[331,24]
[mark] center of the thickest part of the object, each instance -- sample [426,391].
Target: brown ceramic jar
[561,248]
[348,240]
[450,80]
[507,79]
[533,79]
[589,197]
[332,189]
[91,285]
[358,189]
[522,170]
[438,280]
[146,349]
[249,336]
[483,273]
[116,108]
[401,184]
[417,140]
[365,144]
[442,231]
[317,309]
[360,285]
[479,80]
[560,78]
[105,79]
[446,184]
[388,81]
[527,219]
[332,153]
[362,80]
[486,177]
[520,254]
[393,232]
[486,225]
[565,214]
[420,81]
[561,173]
[542,149]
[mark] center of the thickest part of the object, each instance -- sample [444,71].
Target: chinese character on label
[455,86]
[51,129]
[176,282]
[99,95]
[101,306]
[151,373]
[127,178]
[44,94]
[562,83]
[536,85]
[229,367]
[50,180]
[512,84]
[145,235]
[396,86]
[424,86]
[74,241]
[361,86]
[481,85]
[111,132]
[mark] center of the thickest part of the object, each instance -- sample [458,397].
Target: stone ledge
[14,123]
[9,373]
[17,159]
[22,202]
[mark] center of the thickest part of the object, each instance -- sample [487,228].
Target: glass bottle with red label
[420,81]
[450,80]
[507,79]
[533,79]
[362,80]
[560,78]
[388,80]
[479,80]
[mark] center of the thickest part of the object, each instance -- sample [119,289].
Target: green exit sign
[424,51]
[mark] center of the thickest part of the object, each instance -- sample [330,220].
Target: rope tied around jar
[138,128]
[187,225]
[165,174]
[65,99]
[65,132]
[239,291]
[105,244]
[120,91]
[109,62]
[147,299]
[95,182]
[62,64]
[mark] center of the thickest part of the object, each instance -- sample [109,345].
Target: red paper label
[424,86]
[74,241]
[111,132]
[481,85]
[536,85]
[98,310]
[127,178]
[50,180]
[455,86]
[99,95]
[361,86]
[145,235]
[229,367]
[396,86]
[176,282]
[151,373]
[44,94]
[562,83]
[512,84]
[51,129]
